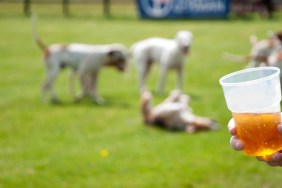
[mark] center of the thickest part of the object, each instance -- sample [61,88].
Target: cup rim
[221,80]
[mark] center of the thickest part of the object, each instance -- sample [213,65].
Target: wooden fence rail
[65,7]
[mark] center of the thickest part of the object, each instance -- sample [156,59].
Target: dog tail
[253,39]
[35,35]
[146,100]
[235,57]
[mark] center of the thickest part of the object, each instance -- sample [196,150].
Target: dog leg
[143,68]
[194,123]
[72,77]
[201,124]
[84,84]
[163,75]
[253,64]
[179,78]
[190,129]
[141,81]
[174,96]
[146,104]
[93,89]
[48,84]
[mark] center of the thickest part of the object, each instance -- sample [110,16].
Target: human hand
[272,160]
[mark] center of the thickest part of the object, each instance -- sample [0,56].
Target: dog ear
[279,35]
[111,53]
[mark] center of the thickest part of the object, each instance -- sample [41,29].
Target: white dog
[174,114]
[168,53]
[85,59]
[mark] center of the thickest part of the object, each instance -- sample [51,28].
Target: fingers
[231,127]
[236,144]
[279,128]
[272,160]
[277,156]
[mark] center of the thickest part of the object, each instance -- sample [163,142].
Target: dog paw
[98,100]
[55,101]
[190,129]
[77,100]
[214,125]
[79,97]
[160,93]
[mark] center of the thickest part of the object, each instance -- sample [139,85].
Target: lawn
[105,146]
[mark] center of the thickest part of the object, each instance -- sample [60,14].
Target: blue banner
[183,8]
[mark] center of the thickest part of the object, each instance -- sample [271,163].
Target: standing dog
[261,50]
[174,114]
[168,53]
[84,59]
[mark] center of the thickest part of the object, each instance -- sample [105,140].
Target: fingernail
[231,124]
[277,157]
[239,146]
[279,128]
[233,131]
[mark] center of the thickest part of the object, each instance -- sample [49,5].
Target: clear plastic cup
[253,96]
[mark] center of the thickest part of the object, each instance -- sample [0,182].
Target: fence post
[65,7]
[26,7]
[106,7]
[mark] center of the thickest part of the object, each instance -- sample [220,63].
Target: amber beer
[259,133]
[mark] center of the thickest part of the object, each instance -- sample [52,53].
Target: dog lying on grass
[84,59]
[174,114]
[168,53]
[260,52]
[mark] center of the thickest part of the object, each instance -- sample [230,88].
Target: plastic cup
[253,96]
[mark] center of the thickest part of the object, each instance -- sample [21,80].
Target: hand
[234,141]
[272,160]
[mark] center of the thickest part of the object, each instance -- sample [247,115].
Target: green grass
[44,145]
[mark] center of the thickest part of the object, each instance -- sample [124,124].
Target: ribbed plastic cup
[253,96]
[252,90]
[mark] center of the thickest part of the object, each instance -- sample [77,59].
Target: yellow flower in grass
[104,153]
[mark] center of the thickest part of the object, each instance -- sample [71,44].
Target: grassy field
[86,145]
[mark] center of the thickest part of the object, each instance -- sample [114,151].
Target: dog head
[117,57]
[275,39]
[184,41]
[279,36]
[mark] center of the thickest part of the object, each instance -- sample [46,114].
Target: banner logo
[157,8]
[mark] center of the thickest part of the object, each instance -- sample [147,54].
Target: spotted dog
[260,52]
[84,59]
